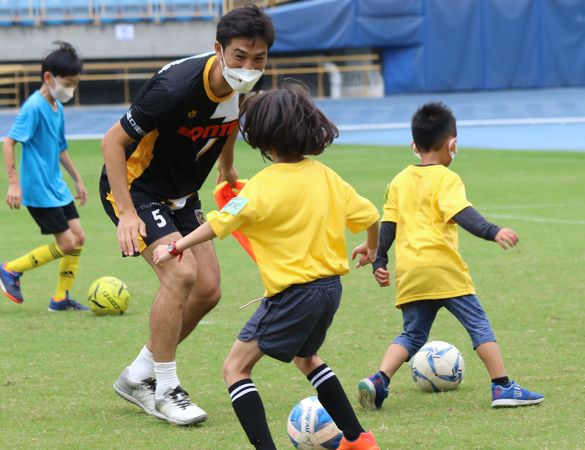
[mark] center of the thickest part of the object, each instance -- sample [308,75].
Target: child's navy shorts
[294,322]
[418,317]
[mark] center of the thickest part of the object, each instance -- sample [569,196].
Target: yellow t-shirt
[422,200]
[295,215]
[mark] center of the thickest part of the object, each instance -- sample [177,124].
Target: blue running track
[546,119]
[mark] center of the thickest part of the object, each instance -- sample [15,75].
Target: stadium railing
[18,81]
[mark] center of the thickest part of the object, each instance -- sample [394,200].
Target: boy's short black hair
[248,22]
[431,124]
[287,121]
[63,61]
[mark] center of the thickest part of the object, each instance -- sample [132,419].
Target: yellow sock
[67,273]
[36,258]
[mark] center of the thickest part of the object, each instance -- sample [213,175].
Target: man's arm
[14,194]
[129,225]
[74,174]
[225,162]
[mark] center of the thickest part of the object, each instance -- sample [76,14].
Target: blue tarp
[447,45]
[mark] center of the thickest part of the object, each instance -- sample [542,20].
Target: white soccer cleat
[176,407]
[141,393]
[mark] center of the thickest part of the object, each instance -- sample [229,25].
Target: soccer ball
[108,296]
[438,366]
[310,427]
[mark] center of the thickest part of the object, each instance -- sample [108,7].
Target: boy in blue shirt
[40,128]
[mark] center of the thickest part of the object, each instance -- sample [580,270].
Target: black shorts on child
[294,322]
[54,220]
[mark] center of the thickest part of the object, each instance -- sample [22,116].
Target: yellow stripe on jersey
[141,157]
[141,244]
[208,91]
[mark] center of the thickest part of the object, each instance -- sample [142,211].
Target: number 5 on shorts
[160,220]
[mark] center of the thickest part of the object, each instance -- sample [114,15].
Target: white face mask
[60,92]
[415,152]
[240,80]
[452,148]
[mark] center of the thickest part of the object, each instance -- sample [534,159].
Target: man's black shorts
[160,219]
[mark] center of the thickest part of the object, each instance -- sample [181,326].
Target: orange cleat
[366,441]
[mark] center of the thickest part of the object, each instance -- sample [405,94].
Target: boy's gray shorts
[294,322]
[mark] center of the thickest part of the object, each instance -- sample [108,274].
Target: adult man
[156,159]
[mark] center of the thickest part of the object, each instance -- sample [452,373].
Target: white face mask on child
[60,92]
[453,148]
[240,80]
[415,151]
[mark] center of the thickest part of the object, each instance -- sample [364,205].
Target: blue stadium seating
[58,12]
[189,9]
[110,11]
[18,12]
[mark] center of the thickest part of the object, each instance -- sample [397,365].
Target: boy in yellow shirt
[294,214]
[423,206]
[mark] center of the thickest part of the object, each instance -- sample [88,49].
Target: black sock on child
[250,412]
[385,377]
[501,381]
[333,398]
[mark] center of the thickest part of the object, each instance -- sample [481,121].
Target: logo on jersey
[133,123]
[209,131]
[191,114]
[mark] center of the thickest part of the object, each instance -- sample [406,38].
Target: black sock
[385,377]
[333,398]
[502,381]
[250,411]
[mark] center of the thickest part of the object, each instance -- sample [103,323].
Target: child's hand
[81,193]
[382,276]
[14,196]
[507,238]
[368,254]
[161,254]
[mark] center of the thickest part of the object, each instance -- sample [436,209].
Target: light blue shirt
[41,131]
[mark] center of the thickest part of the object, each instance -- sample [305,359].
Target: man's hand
[14,196]
[382,276]
[507,238]
[368,254]
[130,226]
[230,175]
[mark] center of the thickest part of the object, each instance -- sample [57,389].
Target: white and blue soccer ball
[438,366]
[310,427]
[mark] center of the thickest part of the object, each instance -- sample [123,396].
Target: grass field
[57,370]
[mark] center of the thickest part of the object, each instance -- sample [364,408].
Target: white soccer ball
[310,426]
[438,366]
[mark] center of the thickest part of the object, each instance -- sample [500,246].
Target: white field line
[539,219]
[471,123]
[534,206]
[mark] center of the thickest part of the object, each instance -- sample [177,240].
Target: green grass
[57,370]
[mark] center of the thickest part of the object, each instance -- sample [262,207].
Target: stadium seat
[56,12]
[18,12]
[190,9]
[110,11]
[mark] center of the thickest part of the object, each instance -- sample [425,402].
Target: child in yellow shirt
[294,214]
[424,204]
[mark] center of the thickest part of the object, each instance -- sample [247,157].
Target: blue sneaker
[372,391]
[10,284]
[66,305]
[513,395]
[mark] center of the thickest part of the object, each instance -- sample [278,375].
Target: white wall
[100,42]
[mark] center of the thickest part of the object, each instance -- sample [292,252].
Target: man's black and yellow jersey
[180,128]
